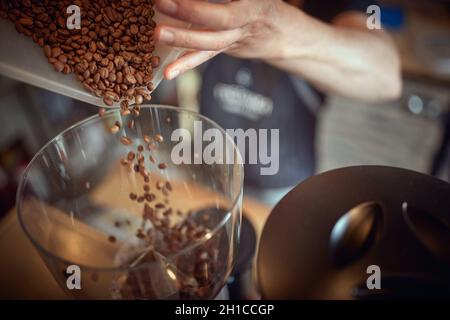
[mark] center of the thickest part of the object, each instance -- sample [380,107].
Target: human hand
[242,28]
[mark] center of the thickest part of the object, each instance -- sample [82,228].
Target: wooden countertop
[24,275]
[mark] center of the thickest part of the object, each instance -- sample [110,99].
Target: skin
[343,58]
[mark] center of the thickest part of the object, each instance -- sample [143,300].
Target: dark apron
[249,94]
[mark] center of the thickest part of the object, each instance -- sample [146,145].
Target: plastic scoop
[23,60]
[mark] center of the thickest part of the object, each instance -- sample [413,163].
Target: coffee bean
[104,73]
[160,206]
[133,196]
[59,66]
[150,197]
[26,21]
[130,79]
[114,129]
[139,99]
[133,29]
[162,166]
[48,51]
[108,101]
[126,141]
[155,62]
[131,156]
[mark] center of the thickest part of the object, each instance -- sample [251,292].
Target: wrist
[299,36]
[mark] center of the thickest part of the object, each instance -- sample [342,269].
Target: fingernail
[173,74]
[168,6]
[166,36]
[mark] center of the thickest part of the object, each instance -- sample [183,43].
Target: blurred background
[412,132]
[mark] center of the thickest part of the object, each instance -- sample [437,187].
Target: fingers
[230,15]
[187,62]
[198,39]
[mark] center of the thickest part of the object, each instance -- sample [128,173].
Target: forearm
[342,60]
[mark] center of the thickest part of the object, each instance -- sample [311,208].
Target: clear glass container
[77,204]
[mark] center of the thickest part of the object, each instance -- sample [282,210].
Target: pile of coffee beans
[111,54]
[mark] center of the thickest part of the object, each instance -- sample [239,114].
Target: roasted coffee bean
[162,166]
[48,51]
[146,139]
[124,104]
[108,101]
[58,65]
[139,99]
[155,62]
[131,156]
[104,73]
[56,51]
[126,141]
[130,79]
[150,197]
[114,129]
[133,196]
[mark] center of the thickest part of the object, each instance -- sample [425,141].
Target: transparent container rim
[23,181]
